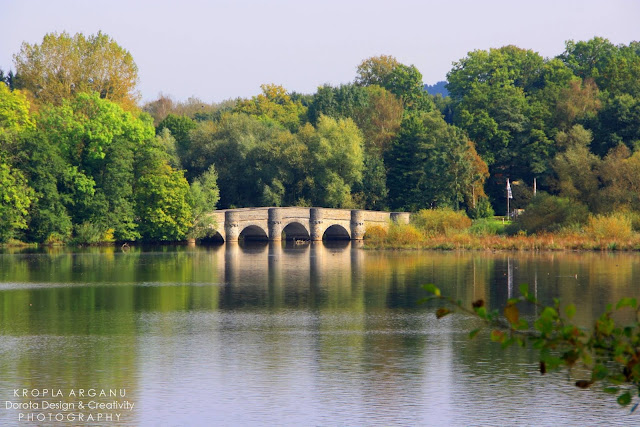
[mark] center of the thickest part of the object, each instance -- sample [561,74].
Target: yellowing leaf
[512,313]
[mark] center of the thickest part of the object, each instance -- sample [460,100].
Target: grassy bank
[444,231]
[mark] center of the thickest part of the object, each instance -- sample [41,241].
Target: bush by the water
[487,227]
[375,233]
[440,221]
[613,226]
[549,213]
[405,235]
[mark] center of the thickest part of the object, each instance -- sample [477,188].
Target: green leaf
[570,311]
[627,302]
[599,372]
[473,333]
[508,342]
[611,390]
[431,288]
[549,313]
[624,399]
[524,289]
[523,325]
[482,312]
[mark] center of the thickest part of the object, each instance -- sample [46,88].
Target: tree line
[81,160]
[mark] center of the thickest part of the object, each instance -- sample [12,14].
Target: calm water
[273,335]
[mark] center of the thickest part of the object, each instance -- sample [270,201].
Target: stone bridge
[295,223]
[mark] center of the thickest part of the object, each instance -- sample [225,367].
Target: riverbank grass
[444,230]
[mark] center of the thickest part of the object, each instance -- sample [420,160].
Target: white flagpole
[508,197]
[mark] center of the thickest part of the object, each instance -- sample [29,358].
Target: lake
[277,334]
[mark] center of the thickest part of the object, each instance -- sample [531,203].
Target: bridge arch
[294,230]
[253,232]
[215,237]
[336,232]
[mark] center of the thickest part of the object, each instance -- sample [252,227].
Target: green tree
[619,173]
[375,110]
[505,99]
[14,111]
[62,66]
[404,81]
[618,122]
[376,70]
[576,168]
[335,160]
[86,124]
[615,69]
[180,126]
[274,104]
[164,207]
[98,139]
[57,186]
[227,145]
[15,199]
[432,164]
[372,192]
[204,196]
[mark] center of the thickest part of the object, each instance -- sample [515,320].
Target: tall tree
[179,126]
[431,164]
[274,104]
[163,202]
[63,65]
[98,139]
[404,81]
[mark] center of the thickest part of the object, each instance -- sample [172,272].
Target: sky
[216,50]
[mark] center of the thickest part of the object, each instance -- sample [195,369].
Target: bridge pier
[316,219]
[231,226]
[274,223]
[357,224]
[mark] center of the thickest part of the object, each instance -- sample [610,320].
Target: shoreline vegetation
[445,229]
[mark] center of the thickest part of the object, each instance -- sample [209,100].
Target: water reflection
[278,333]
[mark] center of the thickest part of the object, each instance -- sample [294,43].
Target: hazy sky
[215,50]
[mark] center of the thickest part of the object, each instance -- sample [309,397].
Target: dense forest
[82,161]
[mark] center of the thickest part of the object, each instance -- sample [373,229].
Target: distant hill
[437,88]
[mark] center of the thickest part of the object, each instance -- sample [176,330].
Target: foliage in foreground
[609,351]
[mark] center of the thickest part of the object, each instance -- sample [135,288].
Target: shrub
[54,239]
[487,227]
[440,221]
[375,233]
[612,226]
[404,235]
[87,233]
[108,236]
[635,220]
[549,213]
